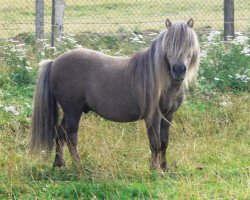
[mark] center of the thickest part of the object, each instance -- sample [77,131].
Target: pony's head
[182,50]
[173,56]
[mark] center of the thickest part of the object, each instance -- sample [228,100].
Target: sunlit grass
[110,16]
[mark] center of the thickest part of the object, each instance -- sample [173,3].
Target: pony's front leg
[164,132]
[153,129]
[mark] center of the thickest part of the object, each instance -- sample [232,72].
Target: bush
[225,66]
[17,68]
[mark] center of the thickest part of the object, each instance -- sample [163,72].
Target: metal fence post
[39,19]
[228,19]
[58,7]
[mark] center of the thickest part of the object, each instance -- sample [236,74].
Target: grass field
[113,15]
[209,145]
[209,150]
[208,156]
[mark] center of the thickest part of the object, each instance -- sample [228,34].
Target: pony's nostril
[179,68]
[175,69]
[184,69]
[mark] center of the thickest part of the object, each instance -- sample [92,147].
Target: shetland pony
[148,86]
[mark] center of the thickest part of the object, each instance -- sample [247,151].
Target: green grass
[208,152]
[208,156]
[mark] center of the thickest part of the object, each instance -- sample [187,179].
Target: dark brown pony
[149,86]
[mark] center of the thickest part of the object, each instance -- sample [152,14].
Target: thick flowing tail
[44,116]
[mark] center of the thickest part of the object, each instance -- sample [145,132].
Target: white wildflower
[60,39]
[246,50]
[140,36]
[139,41]
[118,53]
[238,33]
[46,46]
[242,77]
[212,35]
[216,79]
[28,68]
[53,48]
[211,62]
[152,34]
[203,54]
[226,104]
[41,40]
[28,105]
[240,40]
[104,50]
[202,78]
[137,38]
[72,40]
[13,41]
[21,45]
[13,49]
[11,109]
[78,46]
[71,34]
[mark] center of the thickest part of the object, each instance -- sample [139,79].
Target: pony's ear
[168,23]
[190,23]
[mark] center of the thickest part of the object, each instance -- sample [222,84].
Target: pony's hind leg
[71,128]
[60,140]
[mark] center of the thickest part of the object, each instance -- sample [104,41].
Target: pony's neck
[147,71]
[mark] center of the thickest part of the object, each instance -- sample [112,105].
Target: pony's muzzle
[179,71]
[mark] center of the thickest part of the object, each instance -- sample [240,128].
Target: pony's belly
[117,113]
[114,118]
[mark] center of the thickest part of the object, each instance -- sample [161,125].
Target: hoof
[165,167]
[59,163]
[158,172]
[157,169]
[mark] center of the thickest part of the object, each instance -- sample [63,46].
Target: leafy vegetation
[226,66]
[209,145]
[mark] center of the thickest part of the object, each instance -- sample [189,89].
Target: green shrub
[225,66]
[17,63]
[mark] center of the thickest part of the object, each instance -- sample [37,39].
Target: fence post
[228,18]
[58,7]
[39,19]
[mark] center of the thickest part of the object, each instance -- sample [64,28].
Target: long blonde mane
[149,69]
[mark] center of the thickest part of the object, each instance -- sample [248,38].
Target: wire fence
[111,16]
